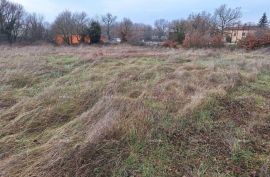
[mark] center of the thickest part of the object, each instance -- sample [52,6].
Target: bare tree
[3,6]
[34,28]
[177,30]
[147,32]
[226,17]
[80,21]
[108,21]
[177,25]
[125,29]
[64,25]
[68,24]
[161,27]
[201,23]
[11,17]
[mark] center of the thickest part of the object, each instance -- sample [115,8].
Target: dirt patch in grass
[6,103]
[135,94]
[240,111]
[262,130]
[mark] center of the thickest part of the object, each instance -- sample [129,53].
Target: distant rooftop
[243,27]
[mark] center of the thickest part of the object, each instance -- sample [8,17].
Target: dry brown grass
[94,111]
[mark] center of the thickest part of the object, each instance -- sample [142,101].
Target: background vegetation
[201,29]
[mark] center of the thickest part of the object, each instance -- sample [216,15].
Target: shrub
[178,36]
[192,40]
[253,41]
[199,40]
[94,32]
[170,44]
[232,46]
[216,41]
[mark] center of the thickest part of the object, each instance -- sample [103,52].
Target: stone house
[234,34]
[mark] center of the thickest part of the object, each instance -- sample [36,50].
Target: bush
[198,40]
[231,46]
[253,41]
[170,44]
[177,36]
[216,41]
[94,32]
[180,37]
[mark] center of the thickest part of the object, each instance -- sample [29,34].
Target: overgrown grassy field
[132,111]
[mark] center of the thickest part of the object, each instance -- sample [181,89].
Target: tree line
[18,25]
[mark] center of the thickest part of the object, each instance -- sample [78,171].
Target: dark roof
[245,27]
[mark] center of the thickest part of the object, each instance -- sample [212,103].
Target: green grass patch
[148,61]
[199,139]
[263,82]
[62,60]
[20,81]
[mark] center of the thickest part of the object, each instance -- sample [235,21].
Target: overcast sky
[146,11]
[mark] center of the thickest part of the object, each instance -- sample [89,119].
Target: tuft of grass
[62,60]
[202,135]
[20,81]
[263,83]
